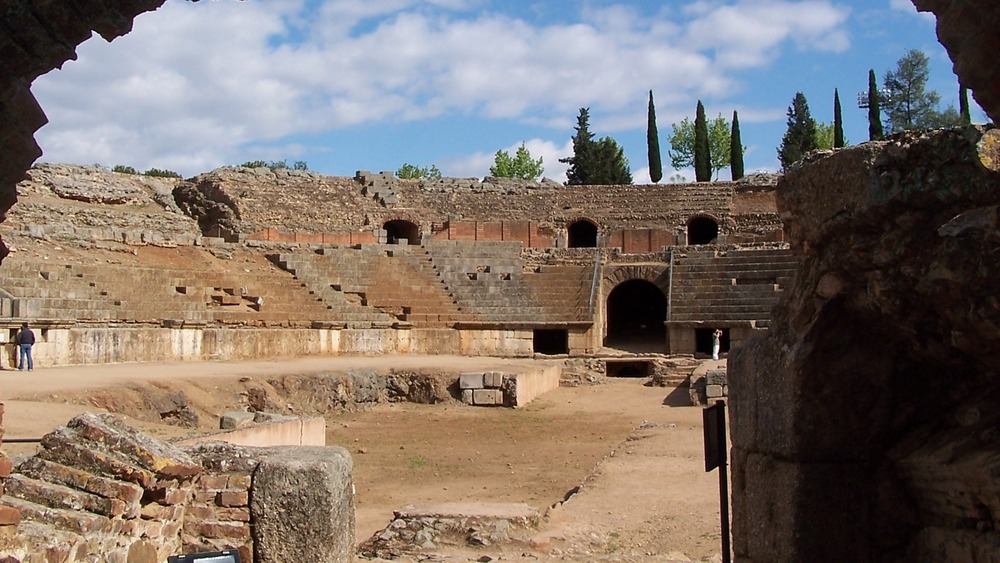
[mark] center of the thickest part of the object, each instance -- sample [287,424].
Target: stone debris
[422,528]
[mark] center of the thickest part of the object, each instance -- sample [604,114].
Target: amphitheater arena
[245,263]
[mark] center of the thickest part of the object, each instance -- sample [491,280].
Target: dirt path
[644,496]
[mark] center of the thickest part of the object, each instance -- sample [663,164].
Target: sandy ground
[635,452]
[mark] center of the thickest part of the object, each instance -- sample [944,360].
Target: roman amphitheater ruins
[863,407]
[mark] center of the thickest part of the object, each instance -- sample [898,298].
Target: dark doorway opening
[636,312]
[703,341]
[628,368]
[398,230]
[550,342]
[582,234]
[702,230]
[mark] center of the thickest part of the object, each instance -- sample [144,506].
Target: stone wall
[863,421]
[253,202]
[99,487]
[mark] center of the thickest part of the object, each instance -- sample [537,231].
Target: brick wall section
[218,514]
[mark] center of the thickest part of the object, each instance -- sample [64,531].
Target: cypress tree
[838,122]
[736,149]
[653,143]
[963,105]
[702,157]
[583,142]
[800,137]
[874,112]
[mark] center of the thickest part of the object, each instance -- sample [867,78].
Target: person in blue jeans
[25,340]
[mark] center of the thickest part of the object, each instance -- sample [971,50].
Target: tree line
[711,145]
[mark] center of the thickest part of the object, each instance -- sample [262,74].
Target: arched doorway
[582,234]
[398,229]
[702,230]
[636,310]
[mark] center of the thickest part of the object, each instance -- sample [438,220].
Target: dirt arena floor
[633,454]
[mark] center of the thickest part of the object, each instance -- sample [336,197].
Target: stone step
[79,522]
[54,495]
[129,494]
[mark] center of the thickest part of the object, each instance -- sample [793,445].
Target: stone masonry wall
[251,202]
[100,488]
[863,421]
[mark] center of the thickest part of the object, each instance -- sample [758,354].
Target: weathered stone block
[236,419]
[468,395]
[471,380]
[302,506]
[715,377]
[487,397]
[493,380]
[713,391]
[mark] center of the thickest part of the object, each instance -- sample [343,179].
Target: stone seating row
[127,293]
[741,285]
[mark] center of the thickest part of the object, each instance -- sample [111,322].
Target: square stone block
[493,380]
[487,397]
[713,391]
[716,377]
[467,396]
[471,380]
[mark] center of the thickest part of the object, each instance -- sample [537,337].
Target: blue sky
[350,85]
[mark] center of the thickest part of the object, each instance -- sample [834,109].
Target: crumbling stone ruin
[100,490]
[863,421]
[869,440]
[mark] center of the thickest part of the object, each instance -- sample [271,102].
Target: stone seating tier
[738,286]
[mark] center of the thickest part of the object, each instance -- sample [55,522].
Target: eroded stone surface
[843,416]
[298,499]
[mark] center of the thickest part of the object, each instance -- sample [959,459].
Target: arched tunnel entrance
[702,230]
[582,234]
[636,310]
[399,229]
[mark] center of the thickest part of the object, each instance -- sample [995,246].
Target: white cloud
[195,84]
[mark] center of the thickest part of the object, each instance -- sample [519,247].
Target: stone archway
[702,230]
[582,234]
[635,307]
[397,230]
[636,310]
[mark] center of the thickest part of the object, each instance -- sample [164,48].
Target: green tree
[838,122]
[719,144]
[825,135]
[702,156]
[300,165]
[800,137]
[122,169]
[963,105]
[158,173]
[909,105]
[595,162]
[875,131]
[653,143]
[608,165]
[735,150]
[413,172]
[521,166]
[583,143]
